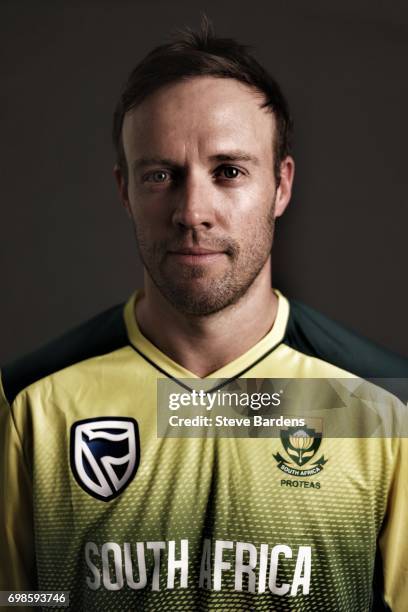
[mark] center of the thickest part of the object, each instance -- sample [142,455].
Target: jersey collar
[241,364]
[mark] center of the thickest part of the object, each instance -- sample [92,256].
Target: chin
[200,300]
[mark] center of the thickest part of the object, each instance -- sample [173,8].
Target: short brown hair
[201,53]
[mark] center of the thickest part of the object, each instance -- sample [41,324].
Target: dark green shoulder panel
[311,333]
[102,334]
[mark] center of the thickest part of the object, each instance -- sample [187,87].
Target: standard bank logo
[105,455]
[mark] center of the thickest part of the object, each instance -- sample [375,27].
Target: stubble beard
[195,291]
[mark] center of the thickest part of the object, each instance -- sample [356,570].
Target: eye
[228,172]
[158,176]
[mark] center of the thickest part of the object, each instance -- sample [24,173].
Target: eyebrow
[143,162]
[229,156]
[235,155]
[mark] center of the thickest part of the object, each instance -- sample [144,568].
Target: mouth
[195,255]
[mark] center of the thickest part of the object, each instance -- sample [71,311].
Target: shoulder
[103,333]
[315,335]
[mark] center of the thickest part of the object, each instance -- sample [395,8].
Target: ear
[122,188]
[284,191]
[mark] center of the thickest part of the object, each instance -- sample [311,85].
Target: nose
[195,204]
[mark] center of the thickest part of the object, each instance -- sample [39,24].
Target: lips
[195,255]
[195,251]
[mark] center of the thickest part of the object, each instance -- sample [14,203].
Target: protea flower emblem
[301,444]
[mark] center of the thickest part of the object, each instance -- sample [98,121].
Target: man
[93,501]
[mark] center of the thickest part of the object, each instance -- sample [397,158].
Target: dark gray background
[67,250]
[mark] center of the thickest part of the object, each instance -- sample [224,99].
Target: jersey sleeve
[393,540]
[17,554]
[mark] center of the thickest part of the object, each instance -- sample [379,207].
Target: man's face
[201,190]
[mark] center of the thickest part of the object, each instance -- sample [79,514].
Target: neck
[204,344]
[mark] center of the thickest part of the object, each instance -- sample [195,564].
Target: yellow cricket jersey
[95,503]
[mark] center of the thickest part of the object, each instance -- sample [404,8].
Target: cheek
[256,223]
[254,211]
[149,218]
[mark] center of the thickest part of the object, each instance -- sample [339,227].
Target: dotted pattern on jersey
[207,489]
[220,489]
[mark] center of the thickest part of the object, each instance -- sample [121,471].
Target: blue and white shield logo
[105,455]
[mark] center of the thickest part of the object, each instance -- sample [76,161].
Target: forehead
[198,115]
